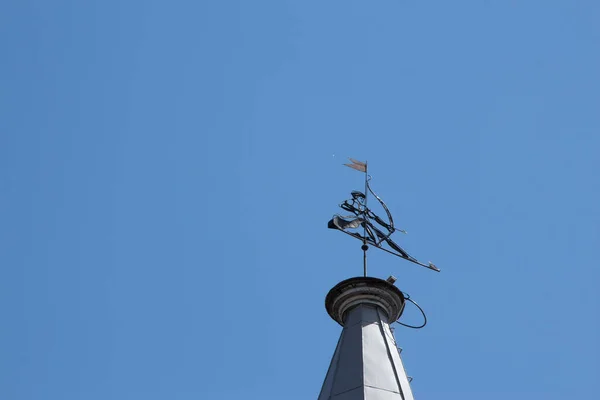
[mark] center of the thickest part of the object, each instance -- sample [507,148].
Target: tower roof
[366,363]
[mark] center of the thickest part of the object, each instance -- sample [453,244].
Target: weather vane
[375,230]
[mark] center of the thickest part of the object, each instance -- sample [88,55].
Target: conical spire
[366,363]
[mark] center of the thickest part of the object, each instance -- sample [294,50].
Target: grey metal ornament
[377,231]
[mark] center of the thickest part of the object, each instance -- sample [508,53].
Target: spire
[366,363]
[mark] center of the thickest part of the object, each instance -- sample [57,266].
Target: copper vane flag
[357,165]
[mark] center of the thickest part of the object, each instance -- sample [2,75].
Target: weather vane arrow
[377,231]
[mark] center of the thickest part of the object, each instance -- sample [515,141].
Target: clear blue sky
[167,170]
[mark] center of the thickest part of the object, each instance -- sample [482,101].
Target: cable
[407,297]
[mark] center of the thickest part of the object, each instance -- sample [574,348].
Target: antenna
[376,231]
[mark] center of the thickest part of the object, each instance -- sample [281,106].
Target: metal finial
[376,231]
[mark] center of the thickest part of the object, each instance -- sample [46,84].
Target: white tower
[366,363]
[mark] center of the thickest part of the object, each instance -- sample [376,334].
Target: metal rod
[364,246]
[365,258]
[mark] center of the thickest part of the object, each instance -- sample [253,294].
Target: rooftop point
[366,363]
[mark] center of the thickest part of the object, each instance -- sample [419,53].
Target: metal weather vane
[377,232]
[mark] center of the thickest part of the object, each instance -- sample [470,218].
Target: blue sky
[167,170]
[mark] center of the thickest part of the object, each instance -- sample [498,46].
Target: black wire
[407,297]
